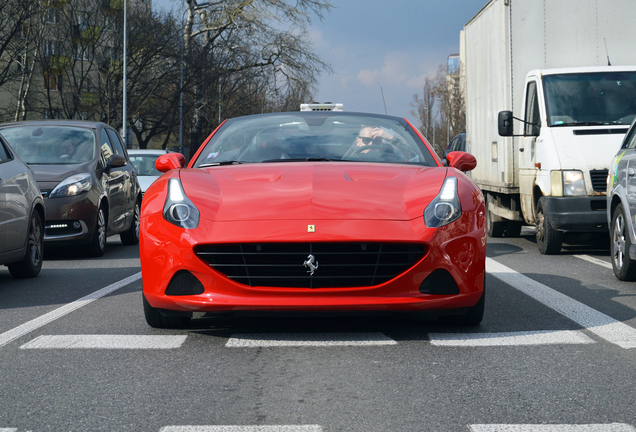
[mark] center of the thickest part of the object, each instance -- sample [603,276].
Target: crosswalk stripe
[255,340]
[594,261]
[612,427]
[272,428]
[598,323]
[546,337]
[105,342]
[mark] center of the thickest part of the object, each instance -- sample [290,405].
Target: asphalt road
[556,352]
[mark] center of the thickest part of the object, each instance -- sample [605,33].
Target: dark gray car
[89,186]
[21,216]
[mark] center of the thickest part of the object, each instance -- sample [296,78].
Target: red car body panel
[345,201]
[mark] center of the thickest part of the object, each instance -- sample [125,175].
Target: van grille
[599,180]
[339,265]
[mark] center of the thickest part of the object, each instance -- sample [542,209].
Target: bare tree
[424,107]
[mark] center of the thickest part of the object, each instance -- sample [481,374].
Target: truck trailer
[550,90]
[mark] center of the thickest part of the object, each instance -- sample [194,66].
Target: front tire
[156,319]
[549,240]
[131,235]
[624,267]
[31,264]
[97,246]
[495,227]
[472,317]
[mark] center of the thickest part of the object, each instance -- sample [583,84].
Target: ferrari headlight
[573,183]
[445,208]
[178,209]
[73,185]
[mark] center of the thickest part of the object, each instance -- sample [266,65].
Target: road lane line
[256,340]
[595,261]
[272,428]
[543,337]
[598,323]
[105,342]
[611,427]
[40,321]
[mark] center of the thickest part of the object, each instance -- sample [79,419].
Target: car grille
[599,180]
[337,264]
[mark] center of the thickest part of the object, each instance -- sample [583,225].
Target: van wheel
[549,240]
[31,264]
[495,227]
[624,267]
[513,229]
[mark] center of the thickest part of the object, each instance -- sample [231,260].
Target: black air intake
[184,283]
[439,282]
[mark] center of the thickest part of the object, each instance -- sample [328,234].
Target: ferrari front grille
[311,265]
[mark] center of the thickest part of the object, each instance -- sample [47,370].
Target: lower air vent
[311,265]
[184,283]
[599,180]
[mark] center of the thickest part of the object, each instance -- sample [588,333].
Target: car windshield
[598,98]
[313,136]
[145,164]
[51,145]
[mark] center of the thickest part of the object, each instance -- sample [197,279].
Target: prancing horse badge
[311,228]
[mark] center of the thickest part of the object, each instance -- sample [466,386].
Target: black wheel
[513,228]
[131,236]
[624,267]
[471,317]
[97,246]
[495,227]
[31,264]
[549,240]
[156,319]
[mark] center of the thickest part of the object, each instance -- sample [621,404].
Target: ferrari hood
[312,190]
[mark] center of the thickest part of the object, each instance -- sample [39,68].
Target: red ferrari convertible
[313,212]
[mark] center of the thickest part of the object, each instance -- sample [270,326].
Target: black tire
[97,246]
[495,227]
[513,228]
[472,317]
[624,267]
[131,235]
[156,319]
[31,264]
[549,240]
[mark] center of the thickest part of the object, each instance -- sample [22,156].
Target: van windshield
[591,98]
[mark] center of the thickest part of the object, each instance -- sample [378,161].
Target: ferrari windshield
[593,98]
[314,136]
[51,145]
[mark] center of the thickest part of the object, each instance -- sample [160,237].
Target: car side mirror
[170,161]
[504,123]
[116,161]
[461,160]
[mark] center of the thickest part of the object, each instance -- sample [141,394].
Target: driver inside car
[373,140]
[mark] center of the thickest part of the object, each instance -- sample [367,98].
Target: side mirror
[504,123]
[536,130]
[461,160]
[116,161]
[170,161]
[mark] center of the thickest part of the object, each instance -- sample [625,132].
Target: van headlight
[573,183]
[73,185]
[178,209]
[445,208]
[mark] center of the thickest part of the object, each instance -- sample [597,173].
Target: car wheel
[495,227]
[624,267]
[549,240]
[31,264]
[131,235]
[156,319]
[97,246]
[472,317]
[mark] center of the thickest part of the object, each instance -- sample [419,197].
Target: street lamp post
[124,115]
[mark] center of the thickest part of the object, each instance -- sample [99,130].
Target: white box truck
[545,113]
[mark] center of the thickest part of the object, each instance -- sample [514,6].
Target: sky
[382,50]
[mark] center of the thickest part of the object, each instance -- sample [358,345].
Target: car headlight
[73,185]
[178,209]
[573,183]
[445,208]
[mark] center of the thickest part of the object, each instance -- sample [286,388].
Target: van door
[527,150]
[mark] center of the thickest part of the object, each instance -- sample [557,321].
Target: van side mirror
[504,123]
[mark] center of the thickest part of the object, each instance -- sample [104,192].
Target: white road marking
[598,323]
[8,430]
[547,337]
[106,342]
[91,264]
[273,428]
[255,340]
[595,261]
[612,427]
[40,321]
